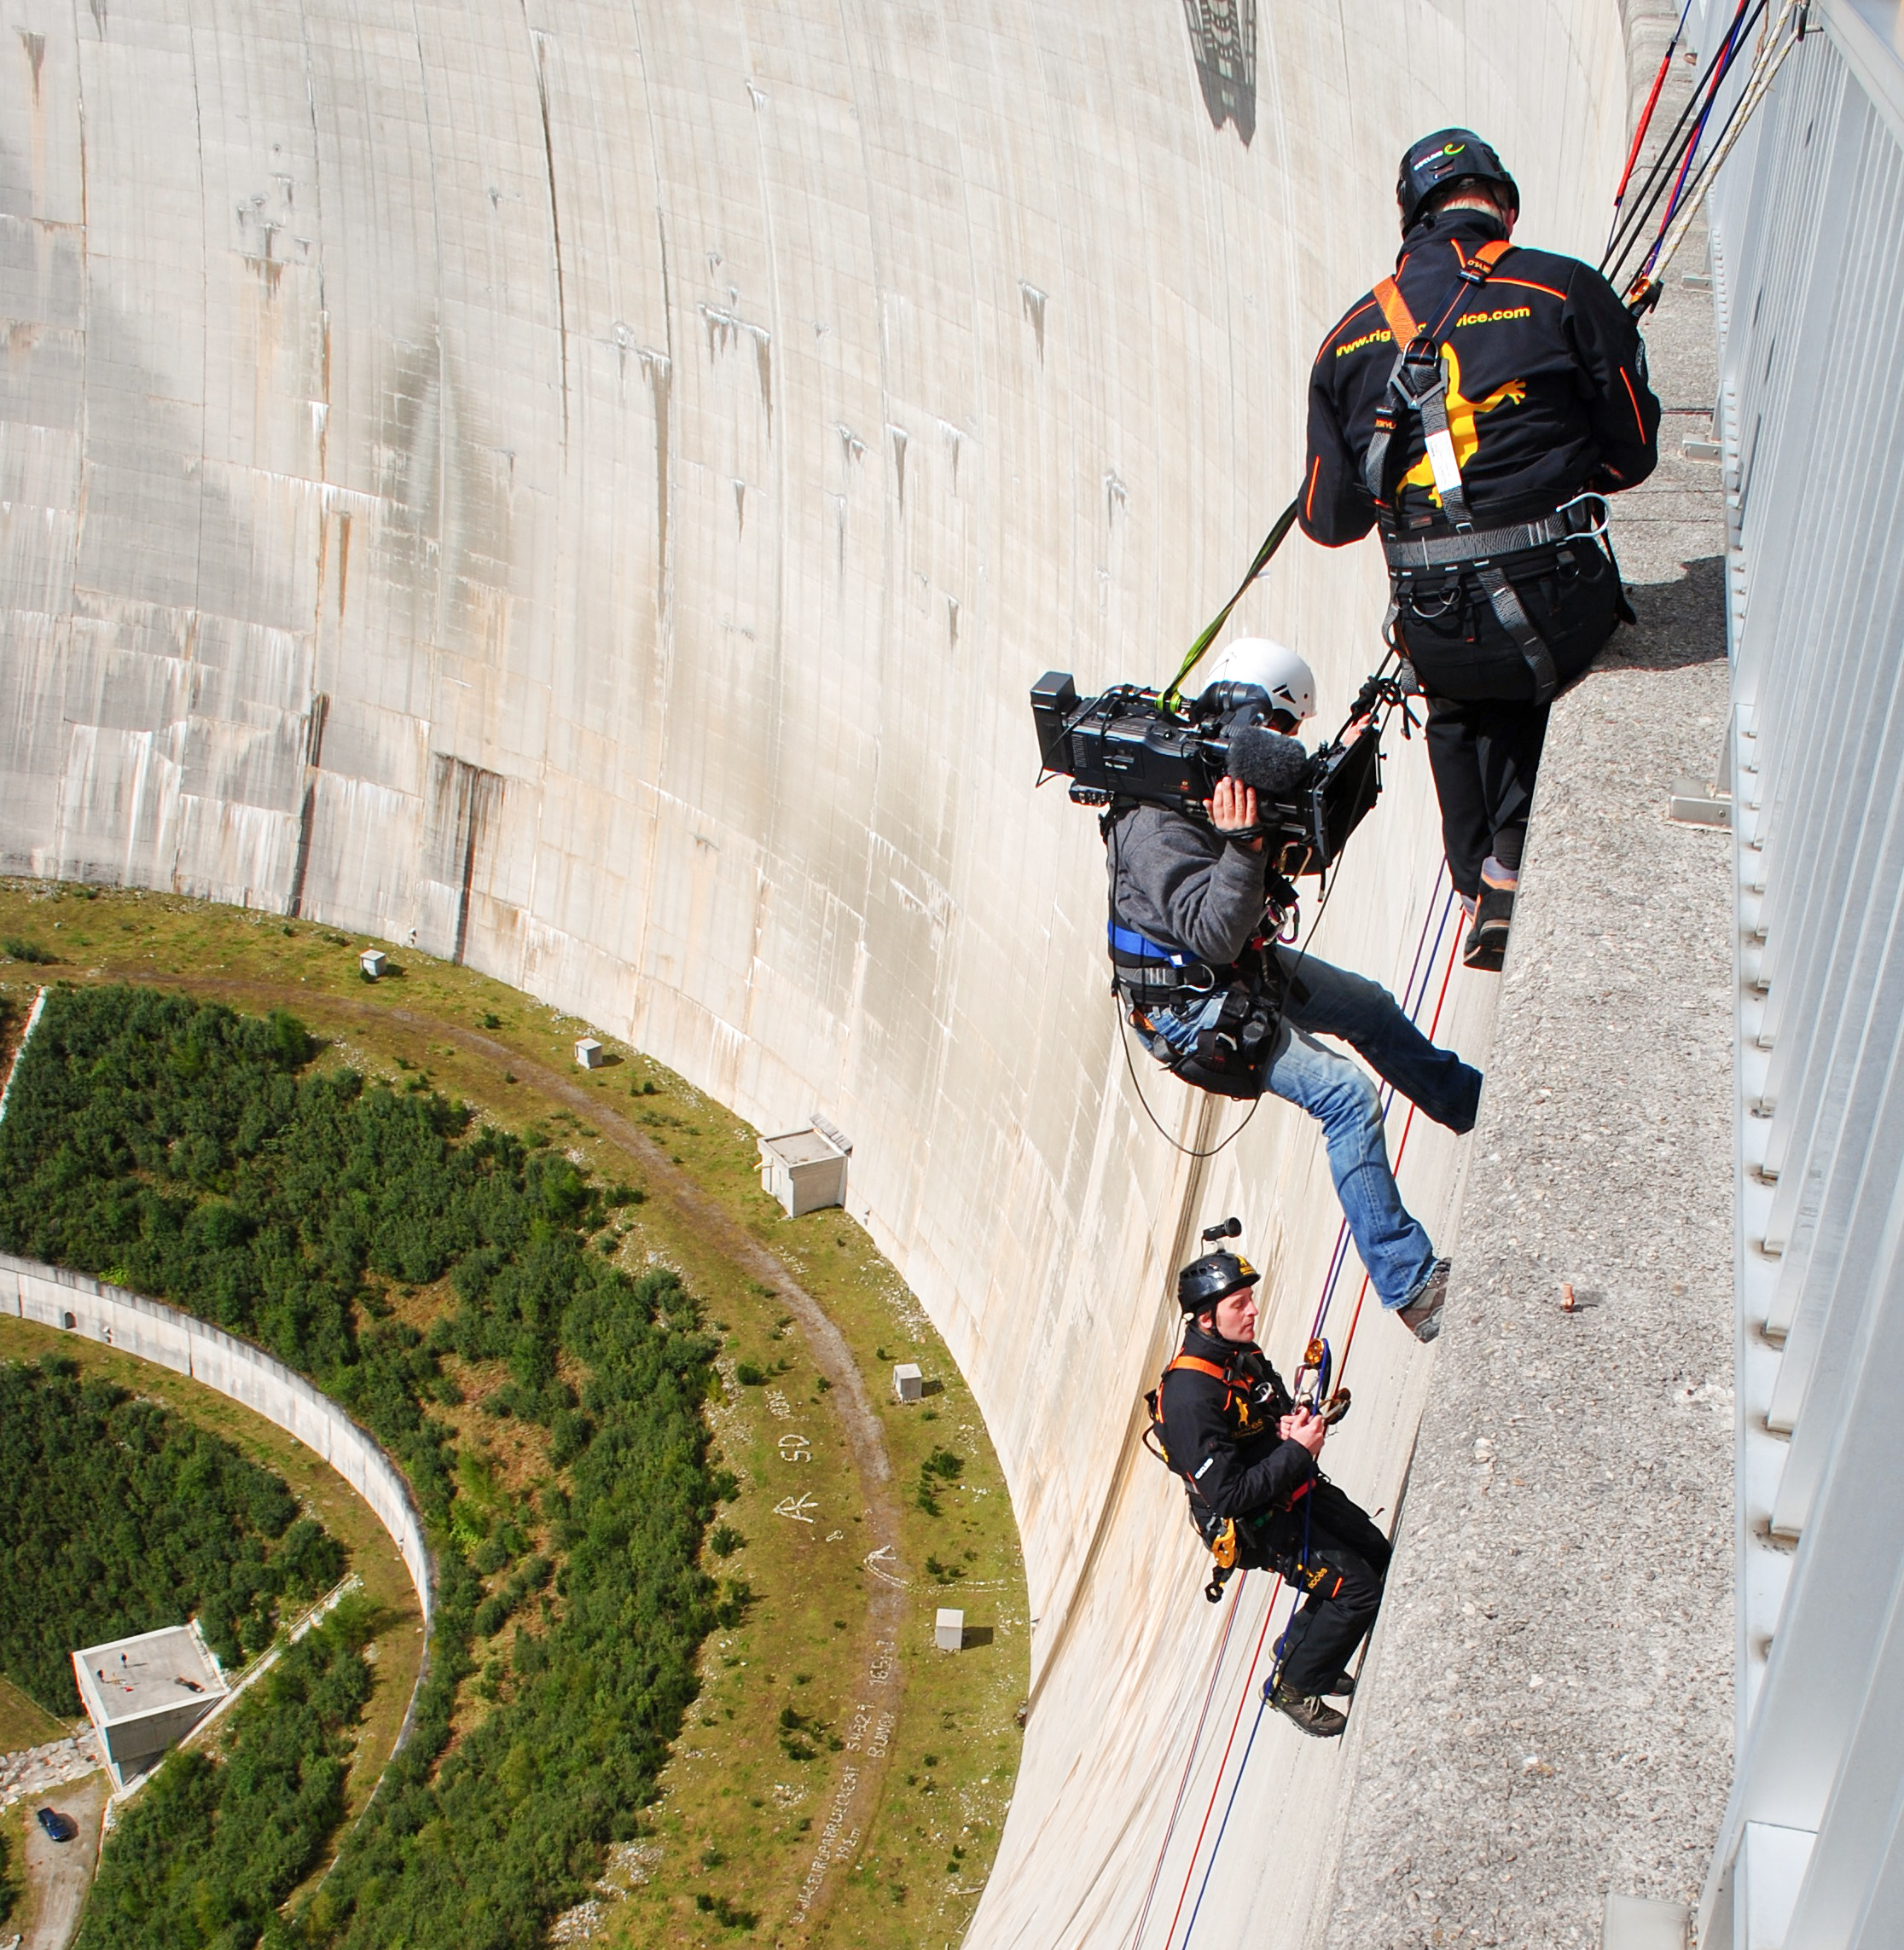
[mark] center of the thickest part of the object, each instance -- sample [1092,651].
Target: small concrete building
[805,1169]
[145,1694]
[588,1053]
[909,1385]
[948,1631]
[373,962]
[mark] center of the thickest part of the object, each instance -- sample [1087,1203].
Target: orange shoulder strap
[1209,1367]
[1401,321]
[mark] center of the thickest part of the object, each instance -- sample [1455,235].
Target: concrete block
[804,1170]
[1635,1923]
[948,1630]
[373,961]
[907,1384]
[145,1693]
[588,1053]
[1694,804]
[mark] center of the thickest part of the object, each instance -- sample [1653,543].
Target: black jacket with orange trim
[1547,392]
[1223,1438]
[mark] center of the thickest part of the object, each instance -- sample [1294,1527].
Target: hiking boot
[1487,942]
[1320,1721]
[1422,1314]
[1343,1687]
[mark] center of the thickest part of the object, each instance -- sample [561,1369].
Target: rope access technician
[1197,965]
[1479,406]
[1249,1457]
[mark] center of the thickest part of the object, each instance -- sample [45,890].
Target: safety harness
[1418,385]
[1226,1057]
[1218,1533]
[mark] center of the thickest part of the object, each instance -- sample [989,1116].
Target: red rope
[1408,1125]
[1242,1701]
[1190,1759]
[1645,114]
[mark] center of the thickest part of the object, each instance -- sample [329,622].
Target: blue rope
[1414,998]
[1216,1847]
[1387,1094]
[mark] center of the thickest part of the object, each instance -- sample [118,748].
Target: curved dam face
[585,489]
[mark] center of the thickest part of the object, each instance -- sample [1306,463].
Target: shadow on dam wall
[589,489]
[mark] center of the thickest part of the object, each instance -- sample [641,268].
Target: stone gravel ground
[34,1770]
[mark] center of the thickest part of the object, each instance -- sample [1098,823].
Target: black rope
[1665,166]
[1663,163]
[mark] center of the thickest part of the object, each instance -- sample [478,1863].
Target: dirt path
[60,1873]
[860,1781]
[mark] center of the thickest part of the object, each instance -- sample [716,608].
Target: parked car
[59,1827]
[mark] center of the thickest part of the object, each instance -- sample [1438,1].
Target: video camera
[1124,745]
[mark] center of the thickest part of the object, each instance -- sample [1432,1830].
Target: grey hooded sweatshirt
[1184,885]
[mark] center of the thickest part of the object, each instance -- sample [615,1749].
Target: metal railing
[1808,243]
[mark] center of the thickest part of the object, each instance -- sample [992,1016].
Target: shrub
[27,950]
[189,1147]
[118,1517]
[211,1847]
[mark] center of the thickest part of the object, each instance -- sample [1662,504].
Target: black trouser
[1332,1551]
[1484,730]
[1484,757]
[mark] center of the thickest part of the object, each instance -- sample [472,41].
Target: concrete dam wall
[584,491]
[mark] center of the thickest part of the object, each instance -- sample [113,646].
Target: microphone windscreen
[1273,764]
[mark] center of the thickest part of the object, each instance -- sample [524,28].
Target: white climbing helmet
[1272,666]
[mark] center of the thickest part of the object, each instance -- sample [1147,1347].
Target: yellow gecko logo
[1462,412]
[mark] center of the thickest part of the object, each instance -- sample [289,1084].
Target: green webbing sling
[1285,521]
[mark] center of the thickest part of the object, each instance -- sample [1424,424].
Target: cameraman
[1214,999]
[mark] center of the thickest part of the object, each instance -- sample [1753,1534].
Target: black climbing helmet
[1214,1277]
[1447,156]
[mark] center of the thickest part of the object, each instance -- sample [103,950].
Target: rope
[1758,85]
[1196,1741]
[1387,1100]
[1249,1679]
[1400,1151]
[1256,1726]
[1167,698]
[1637,212]
[1676,158]
[1646,118]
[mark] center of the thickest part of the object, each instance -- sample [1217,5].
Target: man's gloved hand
[1233,811]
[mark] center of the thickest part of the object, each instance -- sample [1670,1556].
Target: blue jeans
[1337,1092]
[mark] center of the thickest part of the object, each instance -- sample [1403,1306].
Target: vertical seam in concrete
[538,47]
[758,101]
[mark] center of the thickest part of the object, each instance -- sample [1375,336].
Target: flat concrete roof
[802,1147]
[153,1673]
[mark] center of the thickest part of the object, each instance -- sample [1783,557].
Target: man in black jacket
[1248,1455]
[1477,405]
